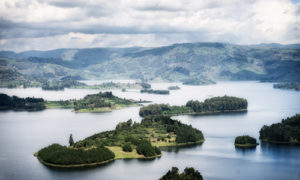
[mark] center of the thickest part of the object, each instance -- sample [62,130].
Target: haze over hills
[213,61]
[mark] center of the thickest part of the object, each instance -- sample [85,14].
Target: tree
[71,141]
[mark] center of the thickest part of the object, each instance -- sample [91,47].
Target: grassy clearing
[120,154]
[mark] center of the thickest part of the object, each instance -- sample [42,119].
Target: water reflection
[245,151]
[176,149]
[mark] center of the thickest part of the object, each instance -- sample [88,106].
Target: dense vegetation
[245,141]
[96,102]
[289,85]
[173,87]
[288,131]
[62,155]
[189,174]
[144,136]
[212,105]
[138,140]
[16,103]
[151,91]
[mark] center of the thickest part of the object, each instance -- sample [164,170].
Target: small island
[209,106]
[151,91]
[189,173]
[101,102]
[286,132]
[173,87]
[289,85]
[245,142]
[128,140]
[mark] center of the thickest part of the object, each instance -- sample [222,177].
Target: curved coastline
[90,164]
[110,160]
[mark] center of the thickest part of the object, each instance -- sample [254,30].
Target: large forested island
[101,102]
[211,105]
[286,132]
[128,140]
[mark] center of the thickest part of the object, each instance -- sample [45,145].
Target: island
[189,173]
[100,102]
[151,91]
[285,132]
[173,87]
[245,141]
[209,106]
[288,85]
[128,140]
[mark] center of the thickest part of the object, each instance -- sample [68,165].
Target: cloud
[28,24]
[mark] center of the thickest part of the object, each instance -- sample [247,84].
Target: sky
[52,24]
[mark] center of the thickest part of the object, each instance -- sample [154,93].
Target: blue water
[24,133]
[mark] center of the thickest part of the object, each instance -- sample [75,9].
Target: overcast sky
[52,24]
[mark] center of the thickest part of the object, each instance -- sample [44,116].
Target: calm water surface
[24,133]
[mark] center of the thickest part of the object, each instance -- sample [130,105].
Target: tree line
[215,104]
[287,131]
[62,155]
[189,173]
[17,103]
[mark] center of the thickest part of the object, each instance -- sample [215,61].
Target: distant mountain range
[178,62]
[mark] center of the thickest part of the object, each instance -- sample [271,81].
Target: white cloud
[38,24]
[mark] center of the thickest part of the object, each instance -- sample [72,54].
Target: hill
[178,62]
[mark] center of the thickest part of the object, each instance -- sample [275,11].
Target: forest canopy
[17,103]
[212,105]
[287,131]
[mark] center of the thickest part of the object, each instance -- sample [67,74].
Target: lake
[24,133]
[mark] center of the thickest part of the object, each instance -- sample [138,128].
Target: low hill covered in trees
[212,105]
[288,131]
[189,173]
[128,140]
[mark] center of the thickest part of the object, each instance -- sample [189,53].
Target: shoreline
[280,142]
[206,113]
[115,158]
[183,144]
[90,164]
[246,145]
